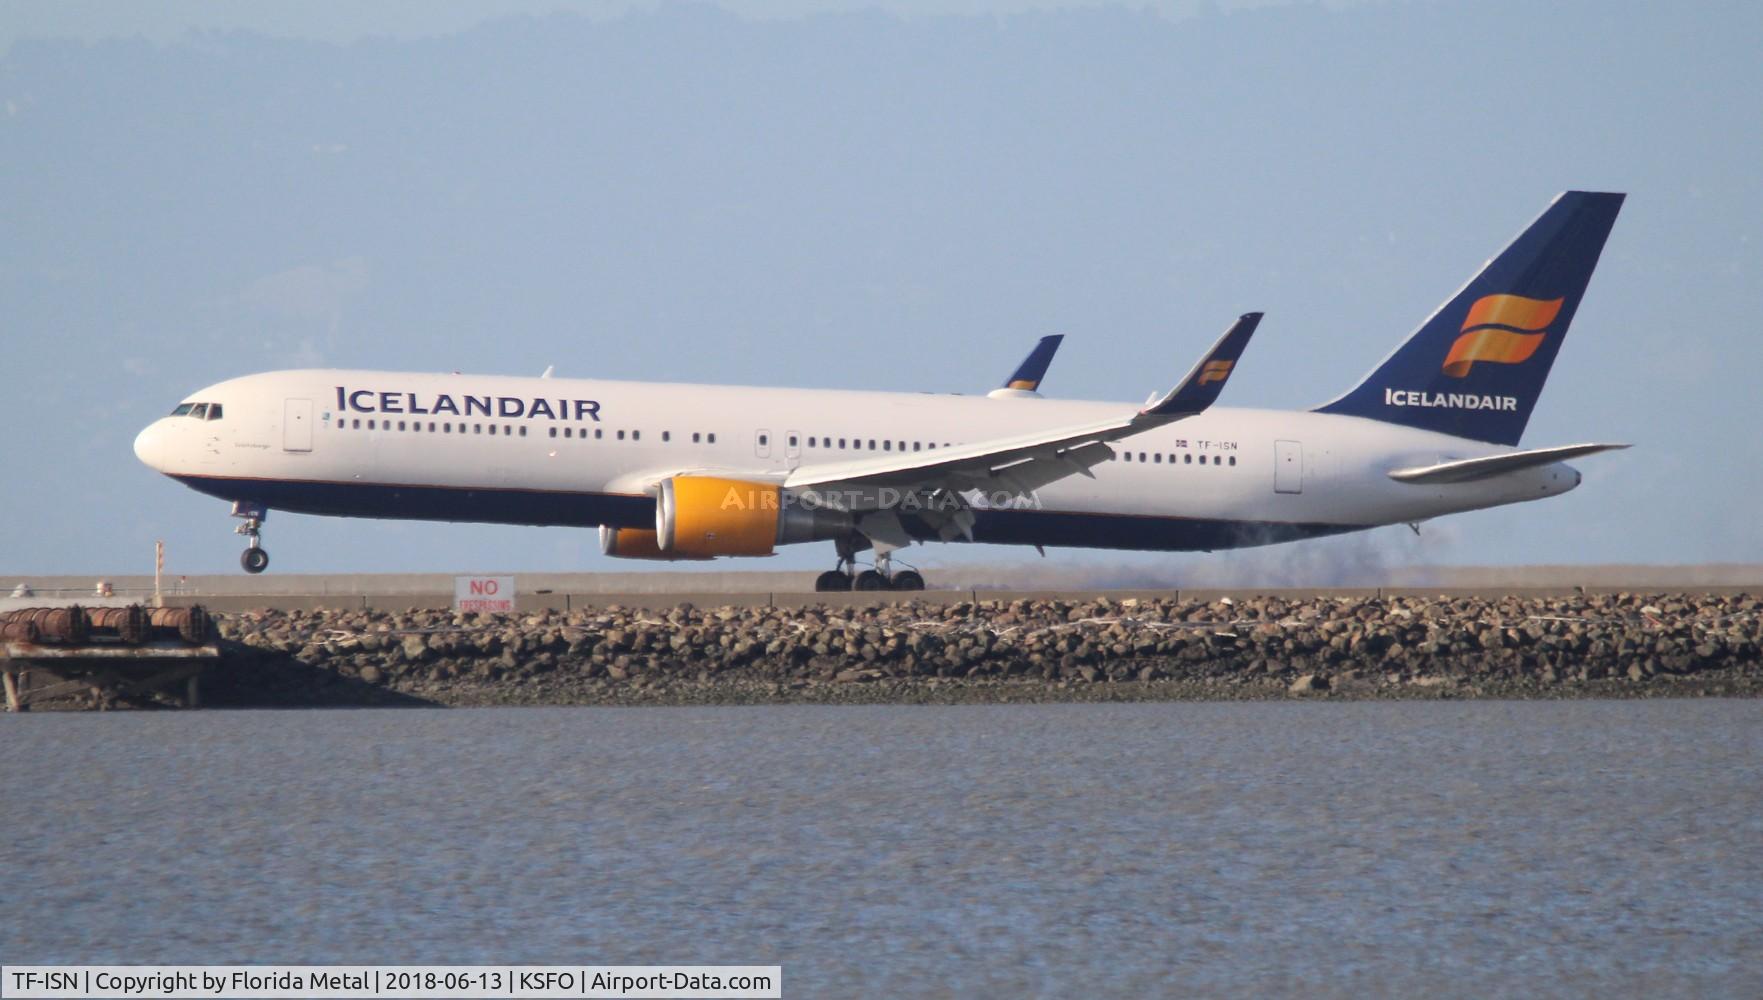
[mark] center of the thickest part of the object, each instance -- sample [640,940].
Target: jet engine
[635,543]
[700,517]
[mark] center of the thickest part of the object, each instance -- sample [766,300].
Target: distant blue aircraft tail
[1476,366]
[1027,376]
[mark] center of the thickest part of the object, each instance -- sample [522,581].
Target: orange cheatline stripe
[1023,383]
[1490,344]
[1512,310]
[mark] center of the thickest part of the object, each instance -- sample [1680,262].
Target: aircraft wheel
[907,579]
[254,560]
[869,579]
[832,581]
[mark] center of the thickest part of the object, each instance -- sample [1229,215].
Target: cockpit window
[200,412]
[183,408]
[214,411]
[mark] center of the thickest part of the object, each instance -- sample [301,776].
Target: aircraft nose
[150,445]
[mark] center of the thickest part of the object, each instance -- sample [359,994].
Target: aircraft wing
[1022,464]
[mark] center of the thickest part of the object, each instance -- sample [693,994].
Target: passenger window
[1187,459]
[1157,459]
[792,440]
[764,439]
[183,409]
[1141,456]
[713,437]
[916,444]
[696,437]
[523,430]
[872,444]
[1233,460]
[553,432]
[214,411]
[477,428]
[887,446]
[357,423]
[200,412]
[636,435]
[400,425]
[621,435]
[841,442]
[666,436]
[598,433]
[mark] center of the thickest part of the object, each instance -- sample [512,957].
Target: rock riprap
[1027,650]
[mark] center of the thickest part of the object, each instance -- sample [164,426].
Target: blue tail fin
[1476,366]
[1028,375]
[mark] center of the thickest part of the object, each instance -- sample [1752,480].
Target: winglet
[1202,386]
[1027,377]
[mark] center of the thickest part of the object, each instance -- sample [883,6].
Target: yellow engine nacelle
[700,517]
[704,516]
[635,543]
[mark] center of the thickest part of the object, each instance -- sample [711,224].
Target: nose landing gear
[255,559]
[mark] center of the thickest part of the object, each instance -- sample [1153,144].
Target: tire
[832,582]
[907,579]
[254,560]
[869,579]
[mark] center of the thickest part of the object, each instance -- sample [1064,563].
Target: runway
[750,589]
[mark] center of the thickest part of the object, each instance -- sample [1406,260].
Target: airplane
[690,472]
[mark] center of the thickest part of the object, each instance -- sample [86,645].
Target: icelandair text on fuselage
[506,407]
[1455,400]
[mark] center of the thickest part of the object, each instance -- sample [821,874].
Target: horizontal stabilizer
[1470,469]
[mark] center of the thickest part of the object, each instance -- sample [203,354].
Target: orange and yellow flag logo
[1504,329]
[1215,371]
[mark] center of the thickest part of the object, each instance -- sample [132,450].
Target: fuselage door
[793,447]
[762,443]
[297,425]
[1288,467]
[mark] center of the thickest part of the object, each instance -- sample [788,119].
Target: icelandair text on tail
[1454,400]
[529,982]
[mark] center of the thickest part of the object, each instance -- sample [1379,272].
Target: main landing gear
[255,558]
[879,578]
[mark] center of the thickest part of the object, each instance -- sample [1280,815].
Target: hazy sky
[838,194]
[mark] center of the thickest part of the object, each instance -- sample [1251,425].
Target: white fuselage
[588,452]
